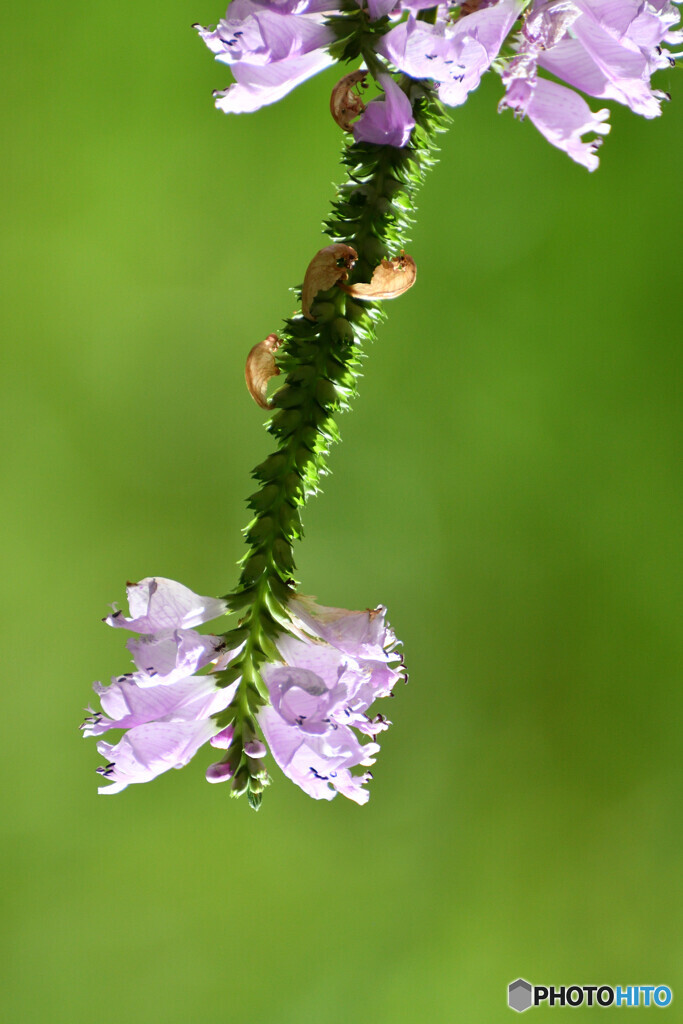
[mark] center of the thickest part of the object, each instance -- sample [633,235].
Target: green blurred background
[508,485]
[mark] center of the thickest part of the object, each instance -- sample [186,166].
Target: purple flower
[330,674]
[454,56]
[164,705]
[388,121]
[157,604]
[271,47]
[606,48]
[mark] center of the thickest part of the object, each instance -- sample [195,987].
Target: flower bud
[240,782]
[219,772]
[254,748]
[223,739]
[342,330]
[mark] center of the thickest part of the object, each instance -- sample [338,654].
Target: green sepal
[228,675]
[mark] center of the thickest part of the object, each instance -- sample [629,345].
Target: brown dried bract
[328,267]
[470,6]
[390,279]
[345,102]
[261,366]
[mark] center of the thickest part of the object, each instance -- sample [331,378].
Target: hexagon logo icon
[520,995]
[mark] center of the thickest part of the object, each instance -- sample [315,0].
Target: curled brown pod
[328,267]
[345,102]
[390,279]
[261,366]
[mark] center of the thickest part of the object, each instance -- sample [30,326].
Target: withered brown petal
[328,267]
[345,103]
[261,366]
[390,279]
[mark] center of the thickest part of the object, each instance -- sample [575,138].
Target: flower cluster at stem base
[330,668]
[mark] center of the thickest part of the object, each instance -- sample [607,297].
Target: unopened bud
[240,782]
[223,739]
[219,772]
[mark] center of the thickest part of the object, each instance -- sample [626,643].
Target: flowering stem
[321,357]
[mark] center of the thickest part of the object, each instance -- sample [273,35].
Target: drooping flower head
[165,706]
[329,670]
[320,695]
[607,49]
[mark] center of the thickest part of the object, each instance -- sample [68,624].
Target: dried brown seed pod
[261,366]
[390,278]
[345,102]
[328,267]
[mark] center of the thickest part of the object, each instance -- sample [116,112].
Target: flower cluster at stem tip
[606,49]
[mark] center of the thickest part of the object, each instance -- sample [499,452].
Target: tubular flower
[270,47]
[387,121]
[455,56]
[330,674]
[605,48]
[164,706]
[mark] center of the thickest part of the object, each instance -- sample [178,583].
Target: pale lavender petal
[148,750]
[564,117]
[644,25]
[455,56]
[388,121]
[159,604]
[256,34]
[126,705]
[221,771]
[321,776]
[172,655]
[242,8]
[224,738]
[415,5]
[573,63]
[299,696]
[477,40]
[368,726]
[320,658]
[341,746]
[625,70]
[419,49]
[351,786]
[269,37]
[320,693]
[380,8]
[361,634]
[257,87]
[254,748]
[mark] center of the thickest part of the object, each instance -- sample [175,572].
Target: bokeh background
[509,485]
